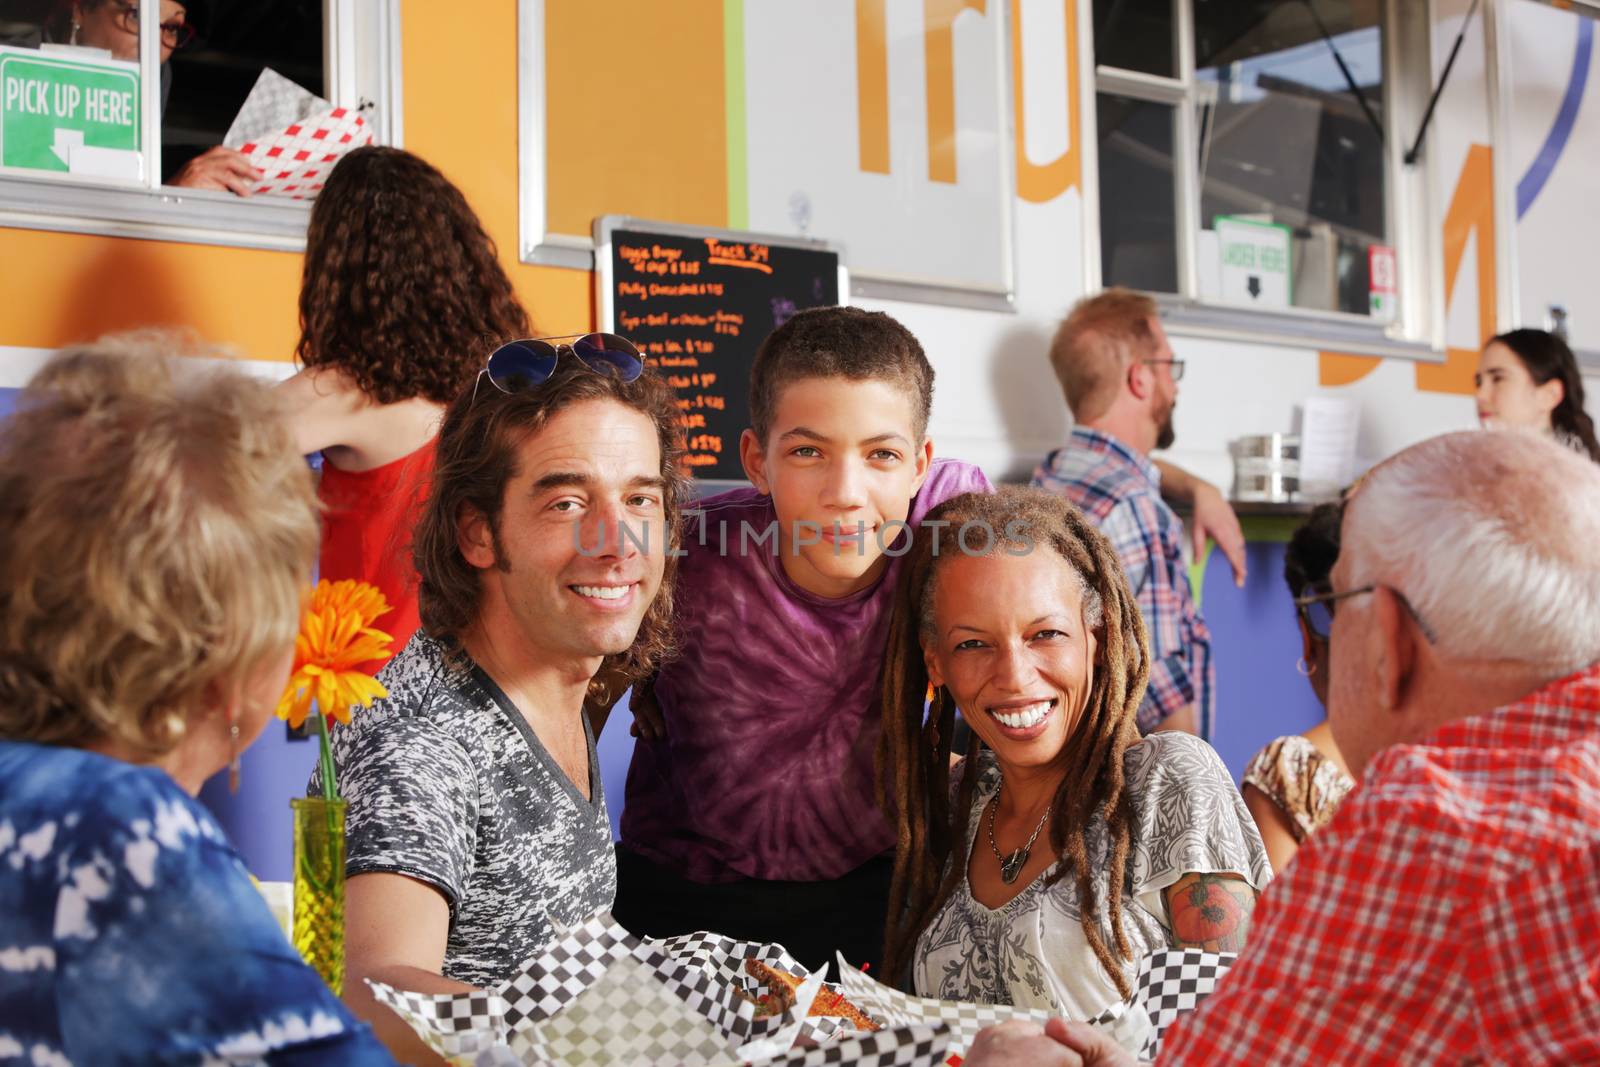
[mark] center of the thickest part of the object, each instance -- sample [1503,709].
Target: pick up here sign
[69,114]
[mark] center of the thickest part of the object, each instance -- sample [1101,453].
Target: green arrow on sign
[50,106]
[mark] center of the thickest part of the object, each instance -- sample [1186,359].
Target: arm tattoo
[1209,911]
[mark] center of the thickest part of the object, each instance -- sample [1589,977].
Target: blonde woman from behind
[157,529]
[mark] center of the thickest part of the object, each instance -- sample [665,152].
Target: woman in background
[401,300]
[1530,378]
[114,26]
[157,529]
[1293,786]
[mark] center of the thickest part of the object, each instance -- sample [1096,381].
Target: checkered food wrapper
[723,959]
[549,983]
[922,1046]
[274,103]
[293,137]
[1172,982]
[295,161]
[901,1046]
[1124,1022]
[462,1027]
[599,995]
[625,1016]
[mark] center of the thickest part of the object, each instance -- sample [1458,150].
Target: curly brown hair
[402,289]
[914,757]
[476,458]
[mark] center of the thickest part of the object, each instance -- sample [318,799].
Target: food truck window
[1289,117]
[1282,120]
[211,79]
[1138,213]
[1138,35]
[196,120]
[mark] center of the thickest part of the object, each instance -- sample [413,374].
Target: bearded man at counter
[1121,381]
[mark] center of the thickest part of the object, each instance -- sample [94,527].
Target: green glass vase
[319,886]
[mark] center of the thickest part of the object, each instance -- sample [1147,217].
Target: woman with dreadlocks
[1070,848]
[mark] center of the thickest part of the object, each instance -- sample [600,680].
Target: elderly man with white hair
[1450,913]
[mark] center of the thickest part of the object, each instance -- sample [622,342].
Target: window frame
[1501,85]
[536,243]
[1414,222]
[361,61]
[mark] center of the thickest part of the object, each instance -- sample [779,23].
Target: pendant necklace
[1011,866]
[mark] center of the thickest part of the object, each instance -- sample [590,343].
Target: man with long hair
[477,823]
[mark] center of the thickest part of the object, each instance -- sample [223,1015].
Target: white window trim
[1508,249]
[362,49]
[1412,211]
[536,244]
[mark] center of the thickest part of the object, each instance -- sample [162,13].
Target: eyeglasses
[1175,364]
[173,34]
[517,366]
[1316,608]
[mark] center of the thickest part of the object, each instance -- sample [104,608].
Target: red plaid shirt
[1450,912]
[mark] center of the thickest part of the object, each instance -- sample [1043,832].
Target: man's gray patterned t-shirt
[448,784]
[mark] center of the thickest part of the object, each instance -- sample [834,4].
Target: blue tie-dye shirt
[130,931]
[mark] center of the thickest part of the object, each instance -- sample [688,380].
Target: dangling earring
[233,757]
[74,38]
[1303,669]
[935,713]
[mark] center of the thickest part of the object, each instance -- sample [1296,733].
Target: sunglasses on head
[517,366]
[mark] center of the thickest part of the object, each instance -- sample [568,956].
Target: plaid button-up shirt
[1450,912]
[1120,491]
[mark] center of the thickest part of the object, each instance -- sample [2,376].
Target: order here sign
[1255,262]
[68,114]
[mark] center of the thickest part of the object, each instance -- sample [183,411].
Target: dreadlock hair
[914,756]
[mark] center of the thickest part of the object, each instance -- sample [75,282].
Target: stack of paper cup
[1266,468]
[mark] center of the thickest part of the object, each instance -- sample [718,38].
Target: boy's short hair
[1094,345]
[839,342]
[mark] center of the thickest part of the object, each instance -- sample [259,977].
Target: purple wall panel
[1256,644]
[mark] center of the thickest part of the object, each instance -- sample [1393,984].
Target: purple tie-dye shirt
[772,709]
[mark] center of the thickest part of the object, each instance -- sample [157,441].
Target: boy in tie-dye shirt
[751,810]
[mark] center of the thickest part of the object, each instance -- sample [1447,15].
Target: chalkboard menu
[698,303]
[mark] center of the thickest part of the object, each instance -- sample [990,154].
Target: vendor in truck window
[113,25]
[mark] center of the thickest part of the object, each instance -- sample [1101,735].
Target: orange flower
[350,598]
[335,638]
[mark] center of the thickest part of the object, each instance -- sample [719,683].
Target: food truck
[1331,201]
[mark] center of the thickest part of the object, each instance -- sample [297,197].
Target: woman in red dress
[401,301]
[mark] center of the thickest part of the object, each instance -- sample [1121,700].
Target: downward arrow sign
[1254,285]
[66,141]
